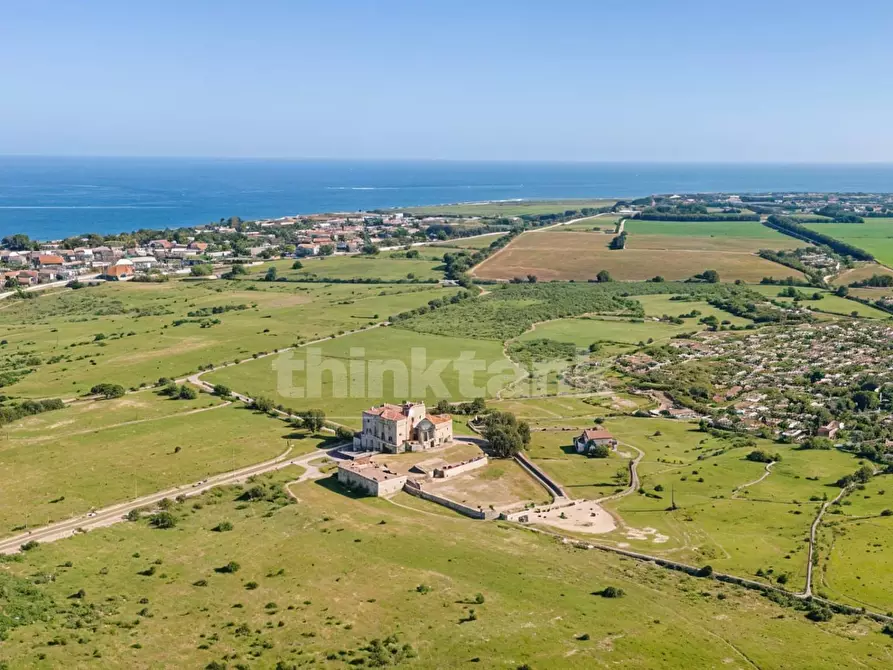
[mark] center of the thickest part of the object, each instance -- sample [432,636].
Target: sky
[568,80]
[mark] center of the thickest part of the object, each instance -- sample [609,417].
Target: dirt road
[117,513]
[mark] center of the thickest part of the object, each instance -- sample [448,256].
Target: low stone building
[453,469]
[370,478]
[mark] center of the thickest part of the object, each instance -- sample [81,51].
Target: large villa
[395,429]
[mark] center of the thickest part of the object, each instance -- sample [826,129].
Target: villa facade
[396,429]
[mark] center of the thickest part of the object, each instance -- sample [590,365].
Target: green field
[126,333]
[659,305]
[874,236]
[585,331]
[858,567]
[421,571]
[476,242]
[370,268]
[837,305]
[830,303]
[694,229]
[507,208]
[582,477]
[761,526]
[66,462]
[345,394]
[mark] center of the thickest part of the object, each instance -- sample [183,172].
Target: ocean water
[49,198]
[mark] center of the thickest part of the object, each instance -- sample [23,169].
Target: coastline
[54,198]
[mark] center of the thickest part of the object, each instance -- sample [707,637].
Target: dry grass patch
[703,243]
[579,256]
[860,273]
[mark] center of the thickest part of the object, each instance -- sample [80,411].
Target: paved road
[43,287]
[117,513]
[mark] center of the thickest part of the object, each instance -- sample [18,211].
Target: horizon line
[335,159]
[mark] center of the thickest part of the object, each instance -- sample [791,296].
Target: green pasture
[874,236]
[126,333]
[857,565]
[91,462]
[585,331]
[727,229]
[581,476]
[381,267]
[372,367]
[302,601]
[659,305]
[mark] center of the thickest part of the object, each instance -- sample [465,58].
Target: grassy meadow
[134,333]
[344,268]
[874,236]
[66,462]
[724,517]
[417,593]
[388,350]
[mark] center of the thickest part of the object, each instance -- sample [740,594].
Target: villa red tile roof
[439,418]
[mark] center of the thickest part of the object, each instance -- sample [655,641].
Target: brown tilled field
[563,255]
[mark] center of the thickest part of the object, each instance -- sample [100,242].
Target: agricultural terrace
[133,333]
[293,603]
[564,255]
[508,208]
[874,236]
[89,455]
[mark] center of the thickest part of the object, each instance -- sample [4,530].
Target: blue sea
[49,198]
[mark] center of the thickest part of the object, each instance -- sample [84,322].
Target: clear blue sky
[727,80]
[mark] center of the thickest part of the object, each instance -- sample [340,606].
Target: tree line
[789,226]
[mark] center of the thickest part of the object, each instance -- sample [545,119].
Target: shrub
[223,527]
[611,592]
[187,393]
[820,614]
[163,519]
[229,568]
[706,571]
[107,390]
[29,545]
